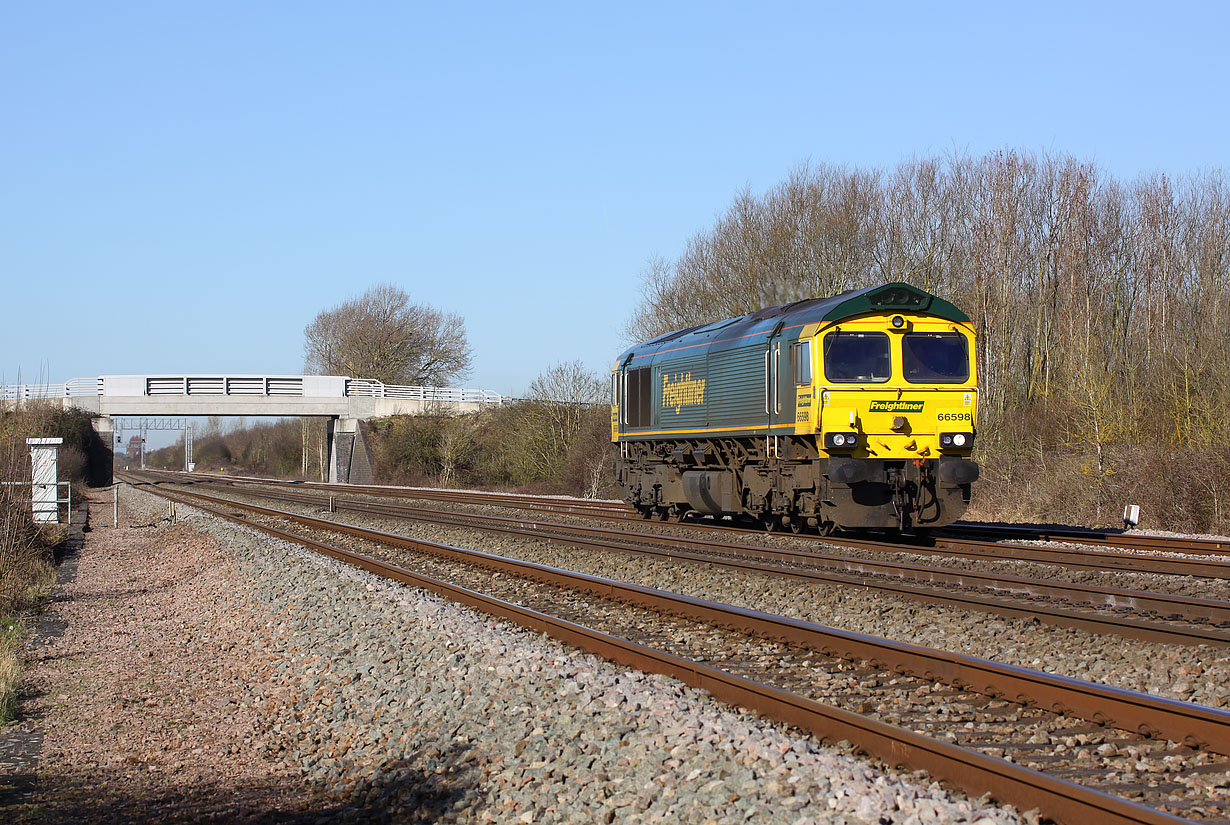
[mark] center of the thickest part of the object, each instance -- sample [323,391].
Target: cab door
[802,390]
[775,379]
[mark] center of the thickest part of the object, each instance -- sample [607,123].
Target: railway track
[1148,560]
[1080,752]
[1135,541]
[1156,617]
[992,532]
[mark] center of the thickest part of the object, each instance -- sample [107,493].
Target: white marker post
[45,489]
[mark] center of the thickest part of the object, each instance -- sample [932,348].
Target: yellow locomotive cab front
[895,392]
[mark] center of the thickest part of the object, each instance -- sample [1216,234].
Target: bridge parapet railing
[248,385]
[366,388]
[74,388]
[264,385]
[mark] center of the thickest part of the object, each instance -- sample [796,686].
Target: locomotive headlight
[840,440]
[955,441]
[898,322]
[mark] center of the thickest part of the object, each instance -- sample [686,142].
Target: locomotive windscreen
[856,356]
[935,358]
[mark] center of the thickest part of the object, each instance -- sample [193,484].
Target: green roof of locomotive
[886,298]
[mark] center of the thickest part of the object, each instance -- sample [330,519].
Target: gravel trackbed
[207,673]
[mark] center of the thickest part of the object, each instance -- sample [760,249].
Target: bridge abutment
[101,456]
[349,460]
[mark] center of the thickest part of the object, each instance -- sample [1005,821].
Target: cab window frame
[907,356]
[800,357]
[637,409]
[868,334]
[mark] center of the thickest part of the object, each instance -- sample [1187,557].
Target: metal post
[115,506]
[172,512]
[332,504]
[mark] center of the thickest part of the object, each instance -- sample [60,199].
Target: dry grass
[27,564]
[27,572]
[10,671]
[1177,489]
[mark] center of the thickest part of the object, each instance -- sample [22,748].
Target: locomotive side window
[638,397]
[935,358]
[851,357]
[801,355]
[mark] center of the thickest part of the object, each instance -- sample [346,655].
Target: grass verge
[27,573]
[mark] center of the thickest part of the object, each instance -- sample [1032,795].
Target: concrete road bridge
[344,401]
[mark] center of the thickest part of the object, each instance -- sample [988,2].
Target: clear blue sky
[183,186]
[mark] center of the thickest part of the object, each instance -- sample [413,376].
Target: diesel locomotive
[856,411]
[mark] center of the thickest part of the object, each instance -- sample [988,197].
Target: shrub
[27,565]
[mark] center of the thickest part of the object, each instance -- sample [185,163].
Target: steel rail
[1087,560]
[1195,725]
[944,546]
[550,503]
[973,772]
[609,539]
[1106,538]
[1076,535]
[1141,542]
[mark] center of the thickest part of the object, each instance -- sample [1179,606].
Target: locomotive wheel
[827,528]
[770,522]
[797,525]
[646,511]
[674,513]
[663,513]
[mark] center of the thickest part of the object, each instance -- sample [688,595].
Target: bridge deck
[251,395]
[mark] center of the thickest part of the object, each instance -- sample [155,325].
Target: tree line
[556,439]
[1099,305]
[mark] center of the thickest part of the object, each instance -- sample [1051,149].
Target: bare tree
[555,413]
[383,336]
[1097,303]
[455,444]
